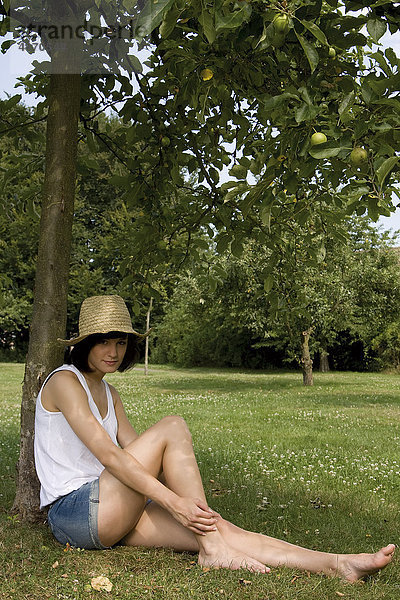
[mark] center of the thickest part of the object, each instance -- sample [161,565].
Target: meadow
[318,466]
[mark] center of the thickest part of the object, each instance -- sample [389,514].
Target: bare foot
[228,558]
[353,567]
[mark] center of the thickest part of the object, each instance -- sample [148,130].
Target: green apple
[358,156]
[165,141]
[318,138]
[281,23]
[206,74]
[332,52]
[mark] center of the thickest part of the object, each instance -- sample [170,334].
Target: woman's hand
[194,514]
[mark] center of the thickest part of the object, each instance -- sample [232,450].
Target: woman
[98,475]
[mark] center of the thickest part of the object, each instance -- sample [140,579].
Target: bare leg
[157,528]
[275,552]
[166,447]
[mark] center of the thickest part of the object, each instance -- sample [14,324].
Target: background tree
[350,296]
[99,225]
[374,274]
[21,152]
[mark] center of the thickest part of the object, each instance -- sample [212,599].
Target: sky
[16,63]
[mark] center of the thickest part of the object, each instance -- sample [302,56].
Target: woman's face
[107,355]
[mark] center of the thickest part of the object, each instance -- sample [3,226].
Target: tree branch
[19,125]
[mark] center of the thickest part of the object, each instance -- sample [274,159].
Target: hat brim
[80,338]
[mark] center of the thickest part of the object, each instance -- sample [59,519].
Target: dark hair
[78,355]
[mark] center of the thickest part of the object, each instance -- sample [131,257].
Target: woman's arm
[68,397]
[126,433]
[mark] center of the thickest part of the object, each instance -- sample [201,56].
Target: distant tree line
[343,312]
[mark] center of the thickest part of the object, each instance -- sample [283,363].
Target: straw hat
[103,314]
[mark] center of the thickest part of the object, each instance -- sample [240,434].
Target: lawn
[315,466]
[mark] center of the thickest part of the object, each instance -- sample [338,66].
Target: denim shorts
[73,518]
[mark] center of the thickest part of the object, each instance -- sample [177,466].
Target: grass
[315,466]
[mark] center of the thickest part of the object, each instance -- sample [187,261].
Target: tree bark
[306,360]
[324,361]
[146,352]
[51,280]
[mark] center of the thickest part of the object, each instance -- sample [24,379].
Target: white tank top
[63,462]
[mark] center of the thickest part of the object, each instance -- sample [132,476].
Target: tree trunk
[51,281]
[146,352]
[324,361]
[306,360]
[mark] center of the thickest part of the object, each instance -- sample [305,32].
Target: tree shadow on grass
[330,389]
[226,381]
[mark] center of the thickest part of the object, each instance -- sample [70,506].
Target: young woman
[98,475]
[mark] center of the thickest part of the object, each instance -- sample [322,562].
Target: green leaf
[136,307]
[238,171]
[135,63]
[206,20]
[321,253]
[305,94]
[91,142]
[268,283]
[6,45]
[228,185]
[306,112]
[367,93]
[246,204]
[129,4]
[276,101]
[168,24]
[310,52]
[214,174]
[392,57]
[395,191]
[389,102]
[381,3]
[237,248]
[324,151]
[291,183]
[346,103]
[385,169]
[316,31]
[233,19]
[152,15]
[265,214]
[376,28]
[223,242]
[378,56]
[11,102]
[264,35]
[200,243]
[373,210]
[134,193]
